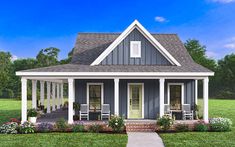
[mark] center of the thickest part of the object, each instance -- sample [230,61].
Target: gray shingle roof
[90,45]
[118,68]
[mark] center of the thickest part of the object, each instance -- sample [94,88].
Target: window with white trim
[135,49]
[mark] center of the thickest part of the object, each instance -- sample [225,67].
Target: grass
[64,139]
[10,108]
[217,107]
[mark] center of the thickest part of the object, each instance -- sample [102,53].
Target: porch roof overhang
[112,71]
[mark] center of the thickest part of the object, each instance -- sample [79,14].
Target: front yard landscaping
[217,108]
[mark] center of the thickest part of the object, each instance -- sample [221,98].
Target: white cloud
[223,1]
[160,19]
[14,57]
[211,54]
[230,45]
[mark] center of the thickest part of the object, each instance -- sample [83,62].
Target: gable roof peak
[125,33]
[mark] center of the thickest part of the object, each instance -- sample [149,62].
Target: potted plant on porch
[32,114]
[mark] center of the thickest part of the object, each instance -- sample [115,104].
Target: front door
[135,101]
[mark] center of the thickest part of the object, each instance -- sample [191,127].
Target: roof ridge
[118,33]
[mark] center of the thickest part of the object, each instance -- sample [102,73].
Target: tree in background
[48,57]
[198,53]
[68,59]
[22,64]
[225,76]
[6,71]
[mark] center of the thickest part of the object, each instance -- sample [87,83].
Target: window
[95,97]
[135,49]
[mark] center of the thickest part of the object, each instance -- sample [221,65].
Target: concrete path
[144,139]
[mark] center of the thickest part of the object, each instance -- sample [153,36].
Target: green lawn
[63,139]
[10,108]
[223,108]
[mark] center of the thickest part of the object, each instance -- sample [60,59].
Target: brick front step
[140,127]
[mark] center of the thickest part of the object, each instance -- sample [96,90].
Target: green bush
[201,127]
[116,123]
[27,127]
[96,128]
[78,128]
[9,128]
[220,124]
[182,128]
[61,125]
[165,122]
[32,113]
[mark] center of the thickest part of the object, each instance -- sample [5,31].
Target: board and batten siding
[151,94]
[149,54]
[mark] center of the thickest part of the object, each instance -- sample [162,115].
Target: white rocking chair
[187,112]
[105,111]
[84,111]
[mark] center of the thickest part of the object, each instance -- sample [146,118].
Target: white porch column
[48,97]
[161,96]
[196,92]
[23,100]
[62,93]
[53,97]
[42,93]
[34,94]
[71,98]
[116,96]
[58,95]
[205,99]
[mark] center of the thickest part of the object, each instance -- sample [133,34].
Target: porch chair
[84,111]
[187,112]
[105,111]
[167,111]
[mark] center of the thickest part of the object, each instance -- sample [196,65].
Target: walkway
[144,139]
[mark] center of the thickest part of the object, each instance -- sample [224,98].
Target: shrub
[220,124]
[96,128]
[9,128]
[27,127]
[78,128]
[116,123]
[201,127]
[61,125]
[182,128]
[76,106]
[32,113]
[45,127]
[165,122]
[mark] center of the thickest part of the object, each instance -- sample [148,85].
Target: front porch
[116,93]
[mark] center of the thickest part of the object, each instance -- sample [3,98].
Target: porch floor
[53,116]
[60,113]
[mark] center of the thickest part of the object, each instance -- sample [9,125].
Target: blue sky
[28,26]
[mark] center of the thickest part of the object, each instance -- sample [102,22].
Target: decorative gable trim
[149,37]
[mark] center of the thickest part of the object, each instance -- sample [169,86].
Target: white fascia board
[137,25]
[114,44]
[141,74]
